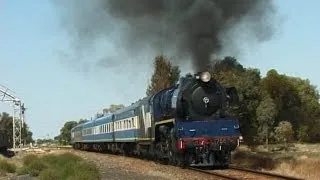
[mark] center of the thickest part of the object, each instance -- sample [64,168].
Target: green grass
[7,167]
[65,166]
[29,158]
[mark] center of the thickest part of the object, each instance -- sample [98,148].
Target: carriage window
[129,125]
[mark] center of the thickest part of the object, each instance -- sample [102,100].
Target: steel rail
[264,173]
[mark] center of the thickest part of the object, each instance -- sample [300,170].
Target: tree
[296,101]
[266,113]
[57,138]
[284,132]
[303,134]
[285,96]
[6,123]
[164,75]
[290,98]
[65,132]
[229,72]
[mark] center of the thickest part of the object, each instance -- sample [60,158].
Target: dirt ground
[119,167]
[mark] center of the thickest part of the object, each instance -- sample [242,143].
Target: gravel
[120,167]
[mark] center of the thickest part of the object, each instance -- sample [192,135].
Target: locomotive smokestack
[186,28]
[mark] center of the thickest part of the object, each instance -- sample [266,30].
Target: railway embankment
[300,160]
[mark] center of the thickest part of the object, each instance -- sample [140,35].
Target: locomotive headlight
[205,77]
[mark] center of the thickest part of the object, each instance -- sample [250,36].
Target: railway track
[216,174]
[235,173]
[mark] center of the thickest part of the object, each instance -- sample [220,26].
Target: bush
[35,167]
[23,170]
[64,166]
[303,134]
[49,174]
[5,166]
[29,159]
[284,132]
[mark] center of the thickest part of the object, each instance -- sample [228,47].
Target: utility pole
[18,116]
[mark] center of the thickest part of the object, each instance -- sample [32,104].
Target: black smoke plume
[188,28]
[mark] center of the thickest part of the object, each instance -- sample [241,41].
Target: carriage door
[113,127]
[145,123]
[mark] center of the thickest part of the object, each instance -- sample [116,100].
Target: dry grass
[253,161]
[307,169]
[301,160]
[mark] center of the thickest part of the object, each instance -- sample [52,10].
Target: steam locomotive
[187,124]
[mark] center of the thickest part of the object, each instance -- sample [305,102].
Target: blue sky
[32,63]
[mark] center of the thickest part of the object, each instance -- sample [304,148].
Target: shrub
[29,158]
[303,133]
[49,174]
[5,166]
[64,166]
[284,132]
[35,167]
[23,170]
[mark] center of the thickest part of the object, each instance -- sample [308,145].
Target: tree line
[274,108]
[276,101]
